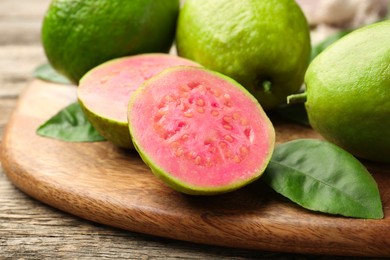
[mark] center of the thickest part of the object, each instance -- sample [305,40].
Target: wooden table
[31,230]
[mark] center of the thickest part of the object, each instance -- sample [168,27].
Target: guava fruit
[264,45]
[199,131]
[104,91]
[348,92]
[78,35]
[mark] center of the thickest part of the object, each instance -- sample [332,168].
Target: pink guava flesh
[200,129]
[106,89]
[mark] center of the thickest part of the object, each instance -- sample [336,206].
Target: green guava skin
[348,92]
[175,182]
[114,131]
[264,45]
[104,91]
[78,35]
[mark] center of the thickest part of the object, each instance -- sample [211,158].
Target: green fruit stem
[297,98]
[267,86]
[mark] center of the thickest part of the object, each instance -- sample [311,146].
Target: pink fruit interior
[201,129]
[106,89]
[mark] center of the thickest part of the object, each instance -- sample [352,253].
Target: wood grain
[32,230]
[98,182]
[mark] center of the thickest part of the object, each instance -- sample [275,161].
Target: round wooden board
[101,183]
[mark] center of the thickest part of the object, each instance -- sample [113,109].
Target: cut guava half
[199,131]
[104,92]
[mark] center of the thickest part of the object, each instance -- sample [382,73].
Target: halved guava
[199,131]
[104,92]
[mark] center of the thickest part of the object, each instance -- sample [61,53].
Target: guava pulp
[200,131]
[104,92]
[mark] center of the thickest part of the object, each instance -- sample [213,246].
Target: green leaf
[321,176]
[328,41]
[48,73]
[70,124]
[295,113]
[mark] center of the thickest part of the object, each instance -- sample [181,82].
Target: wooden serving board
[101,183]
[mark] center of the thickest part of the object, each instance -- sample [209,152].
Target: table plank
[30,229]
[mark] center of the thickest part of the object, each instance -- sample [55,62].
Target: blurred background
[329,16]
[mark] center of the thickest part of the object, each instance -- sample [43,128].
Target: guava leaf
[70,124]
[317,49]
[48,73]
[321,176]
